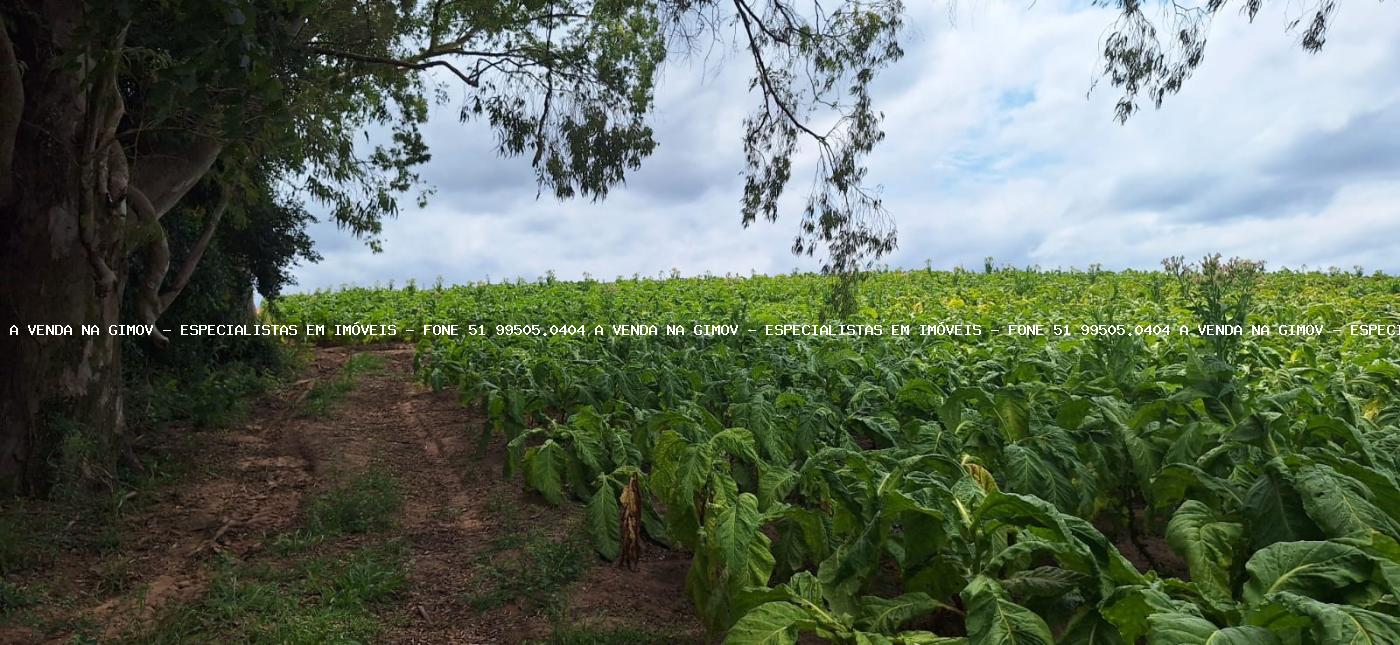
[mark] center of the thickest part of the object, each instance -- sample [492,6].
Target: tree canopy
[289,86]
[113,113]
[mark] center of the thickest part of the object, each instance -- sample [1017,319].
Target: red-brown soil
[248,484]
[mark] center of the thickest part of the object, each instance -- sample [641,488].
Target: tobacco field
[1097,486]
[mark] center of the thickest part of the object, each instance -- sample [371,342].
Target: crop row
[996,489]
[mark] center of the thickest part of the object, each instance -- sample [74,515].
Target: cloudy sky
[994,149]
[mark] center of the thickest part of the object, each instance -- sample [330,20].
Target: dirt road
[476,559]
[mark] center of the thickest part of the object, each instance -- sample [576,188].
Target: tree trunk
[62,266]
[55,387]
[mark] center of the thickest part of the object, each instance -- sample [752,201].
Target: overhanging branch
[765,80]
[193,257]
[392,62]
[148,306]
[166,175]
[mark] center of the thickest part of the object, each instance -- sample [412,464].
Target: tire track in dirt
[455,506]
[261,472]
[244,489]
[416,431]
[253,482]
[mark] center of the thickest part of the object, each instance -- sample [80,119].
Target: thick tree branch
[103,276]
[157,260]
[105,108]
[193,257]
[165,176]
[118,176]
[11,108]
[113,172]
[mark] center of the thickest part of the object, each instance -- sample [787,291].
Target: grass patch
[539,574]
[14,598]
[321,600]
[325,394]
[116,574]
[367,503]
[609,636]
[204,397]
[364,504]
[80,630]
[366,576]
[363,363]
[22,543]
[329,598]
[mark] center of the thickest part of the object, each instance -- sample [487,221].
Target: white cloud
[993,149]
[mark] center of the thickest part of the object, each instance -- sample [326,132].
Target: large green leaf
[1088,627]
[1027,470]
[773,623]
[680,469]
[1320,570]
[1176,482]
[950,414]
[1342,624]
[1340,504]
[941,577]
[1043,582]
[544,470]
[1275,512]
[1385,552]
[774,484]
[735,526]
[758,567]
[844,573]
[1379,483]
[887,614]
[1129,606]
[737,442]
[992,619]
[1012,409]
[1187,629]
[604,522]
[917,396]
[1209,546]
[1072,413]
[804,586]
[1000,509]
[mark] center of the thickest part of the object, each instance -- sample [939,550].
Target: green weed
[204,398]
[609,636]
[21,539]
[367,503]
[323,600]
[538,576]
[14,597]
[115,575]
[364,363]
[325,394]
[368,575]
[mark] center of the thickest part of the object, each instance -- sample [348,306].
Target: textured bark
[166,175]
[11,107]
[72,206]
[157,259]
[195,254]
[53,385]
[62,263]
